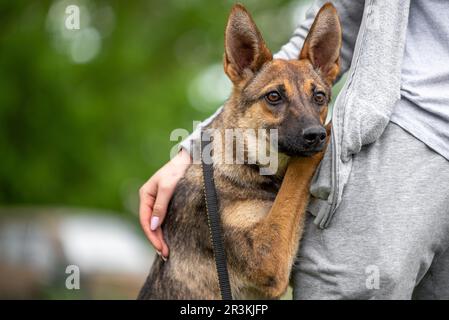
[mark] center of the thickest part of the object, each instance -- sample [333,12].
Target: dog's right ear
[323,43]
[245,50]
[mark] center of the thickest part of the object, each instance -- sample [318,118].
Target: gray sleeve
[350,13]
[188,142]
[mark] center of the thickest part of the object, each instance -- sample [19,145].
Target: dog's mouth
[298,150]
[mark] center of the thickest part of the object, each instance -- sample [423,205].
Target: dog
[262,215]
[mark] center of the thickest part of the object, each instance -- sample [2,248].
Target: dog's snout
[314,135]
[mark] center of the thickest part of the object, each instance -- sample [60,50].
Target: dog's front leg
[269,246]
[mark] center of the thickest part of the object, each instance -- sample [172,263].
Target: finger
[164,247]
[164,194]
[155,241]
[151,235]
[147,197]
[165,250]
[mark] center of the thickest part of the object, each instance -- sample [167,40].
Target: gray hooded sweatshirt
[373,44]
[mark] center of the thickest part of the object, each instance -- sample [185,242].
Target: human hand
[155,196]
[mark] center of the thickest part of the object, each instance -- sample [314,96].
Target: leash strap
[215,229]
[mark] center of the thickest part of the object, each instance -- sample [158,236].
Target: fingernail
[158,253]
[154,223]
[163,258]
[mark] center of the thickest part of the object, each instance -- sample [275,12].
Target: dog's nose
[314,135]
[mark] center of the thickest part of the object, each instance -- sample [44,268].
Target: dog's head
[291,96]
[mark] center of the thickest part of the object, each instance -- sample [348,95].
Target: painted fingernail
[154,223]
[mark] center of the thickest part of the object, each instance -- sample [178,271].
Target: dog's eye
[273,97]
[319,97]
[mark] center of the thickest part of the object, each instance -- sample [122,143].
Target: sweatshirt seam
[340,114]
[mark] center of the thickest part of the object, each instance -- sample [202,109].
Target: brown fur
[261,226]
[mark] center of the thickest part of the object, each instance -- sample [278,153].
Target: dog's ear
[245,50]
[323,43]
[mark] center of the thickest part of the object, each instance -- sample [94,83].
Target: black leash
[215,229]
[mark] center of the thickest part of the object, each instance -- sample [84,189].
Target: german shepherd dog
[262,215]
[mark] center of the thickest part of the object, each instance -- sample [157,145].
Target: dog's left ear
[245,49]
[323,43]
